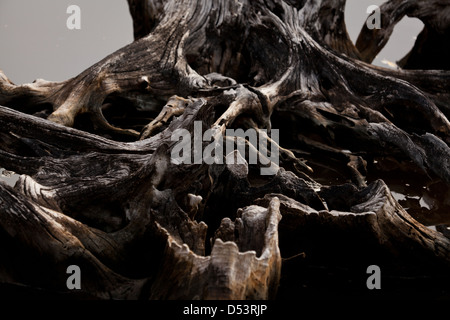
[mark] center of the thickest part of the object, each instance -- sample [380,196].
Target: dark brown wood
[98,189]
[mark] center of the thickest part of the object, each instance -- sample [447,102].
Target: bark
[98,187]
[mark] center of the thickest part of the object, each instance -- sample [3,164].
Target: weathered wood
[103,193]
[428,51]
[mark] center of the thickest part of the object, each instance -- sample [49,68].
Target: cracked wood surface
[97,187]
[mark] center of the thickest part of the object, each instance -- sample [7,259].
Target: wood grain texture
[98,189]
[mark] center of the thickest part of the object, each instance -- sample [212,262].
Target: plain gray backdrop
[36,43]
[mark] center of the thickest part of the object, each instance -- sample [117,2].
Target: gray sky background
[35,42]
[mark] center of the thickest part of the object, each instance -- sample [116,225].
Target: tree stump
[99,187]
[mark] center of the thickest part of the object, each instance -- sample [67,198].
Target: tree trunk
[99,187]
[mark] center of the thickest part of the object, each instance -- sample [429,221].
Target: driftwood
[98,187]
